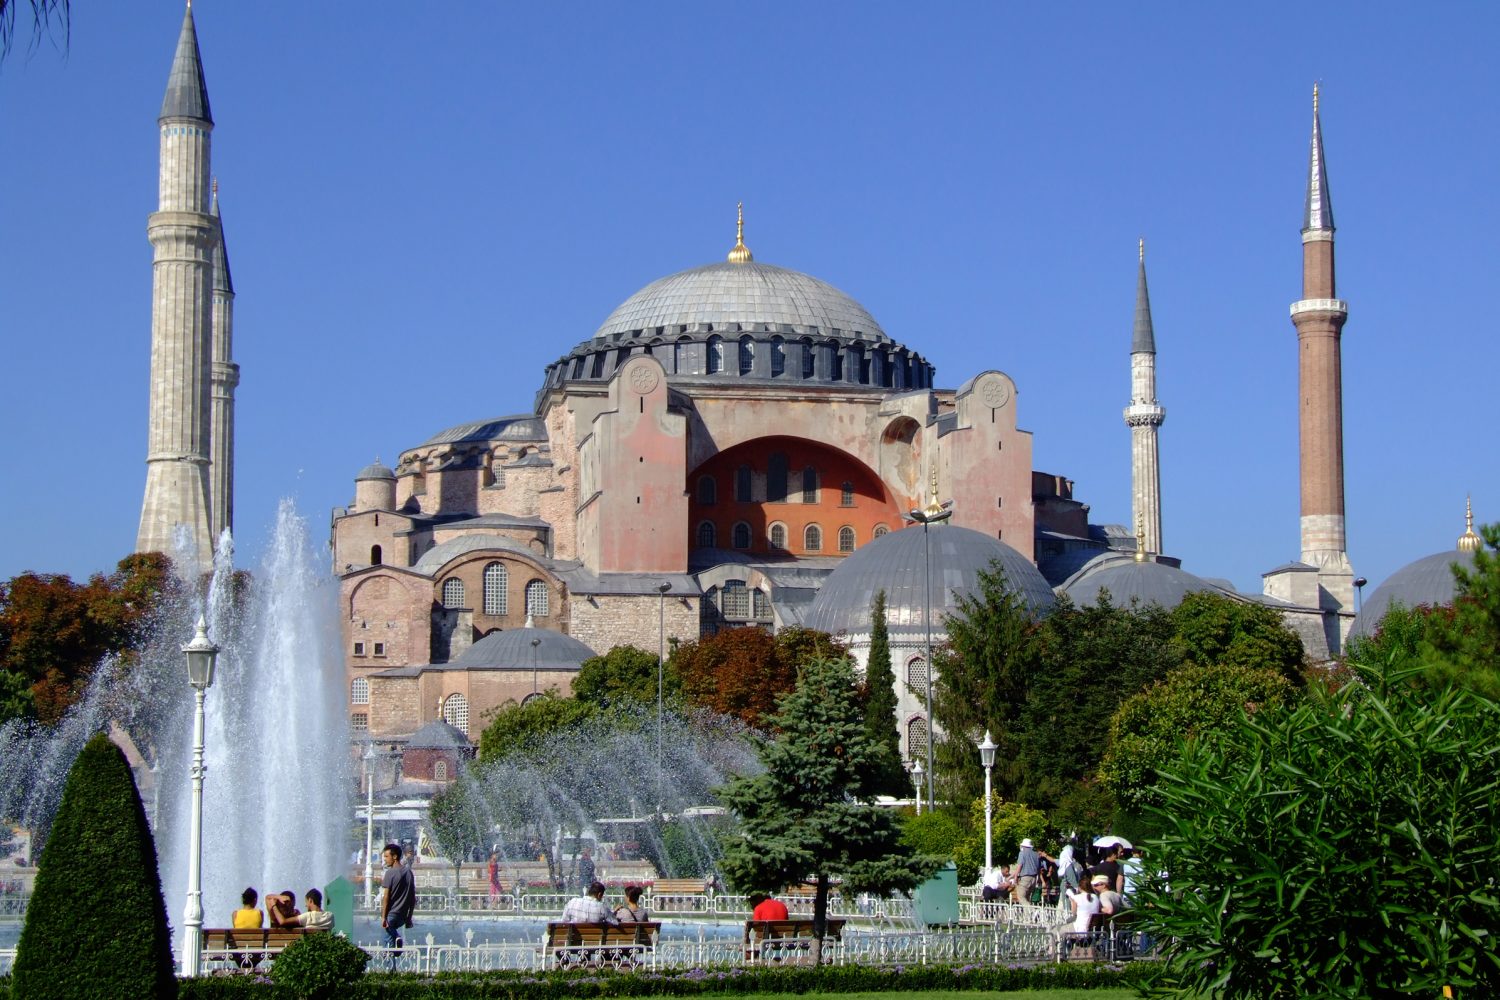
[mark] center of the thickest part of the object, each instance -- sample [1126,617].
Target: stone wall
[603,621]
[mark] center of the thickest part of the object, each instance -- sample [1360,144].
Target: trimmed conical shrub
[96,926]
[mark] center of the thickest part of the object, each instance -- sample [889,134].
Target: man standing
[398,898]
[1028,864]
[585,870]
[589,908]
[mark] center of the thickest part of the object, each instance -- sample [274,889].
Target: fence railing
[708,904]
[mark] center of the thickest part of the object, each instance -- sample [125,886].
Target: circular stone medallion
[644,379]
[994,392]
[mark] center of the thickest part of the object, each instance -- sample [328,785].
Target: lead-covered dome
[897,564]
[1427,581]
[748,296]
[1130,582]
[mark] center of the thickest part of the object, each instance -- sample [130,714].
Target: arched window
[809,485]
[536,599]
[742,535]
[846,539]
[453,592]
[708,612]
[812,538]
[776,477]
[496,581]
[916,739]
[916,673]
[846,495]
[881,531]
[715,354]
[707,536]
[747,355]
[778,357]
[456,712]
[837,372]
[359,691]
[375,555]
[742,479]
[708,491]
[735,601]
[762,605]
[809,359]
[860,364]
[440,770]
[777,536]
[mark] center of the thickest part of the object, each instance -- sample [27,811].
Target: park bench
[231,948]
[785,940]
[598,945]
[679,895]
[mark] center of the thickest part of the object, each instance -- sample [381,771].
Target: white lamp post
[935,513]
[200,654]
[369,760]
[916,779]
[987,758]
[661,659]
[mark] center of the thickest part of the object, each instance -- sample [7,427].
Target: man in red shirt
[769,908]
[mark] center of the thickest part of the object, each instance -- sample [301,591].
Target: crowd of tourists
[1099,884]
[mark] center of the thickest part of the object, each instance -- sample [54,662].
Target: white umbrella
[1111,841]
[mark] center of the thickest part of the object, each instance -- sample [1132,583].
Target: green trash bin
[338,899]
[936,900]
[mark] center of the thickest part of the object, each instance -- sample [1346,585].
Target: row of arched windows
[496,586]
[741,536]
[778,488]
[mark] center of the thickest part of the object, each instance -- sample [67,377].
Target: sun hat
[1099,880]
[1026,842]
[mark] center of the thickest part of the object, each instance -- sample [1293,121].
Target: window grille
[536,599]
[706,535]
[453,592]
[812,538]
[495,581]
[846,539]
[359,691]
[456,712]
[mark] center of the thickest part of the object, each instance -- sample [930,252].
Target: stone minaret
[185,238]
[1319,317]
[1144,416]
[225,375]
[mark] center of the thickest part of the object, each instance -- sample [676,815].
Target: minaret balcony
[1322,307]
[1145,415]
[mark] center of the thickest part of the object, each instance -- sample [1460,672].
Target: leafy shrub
[319,966]
[1344,848]
[96,925]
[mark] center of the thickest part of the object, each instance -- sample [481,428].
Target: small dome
[512,649]
[1427,581]
[375,470]
[1129,581]
[743,293]
[434,558]
[438,735]
[896,563]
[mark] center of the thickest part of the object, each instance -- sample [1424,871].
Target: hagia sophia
[735,445]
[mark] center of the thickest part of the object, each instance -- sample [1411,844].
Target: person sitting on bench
[281,908]
[768,908]
[248,917]
[589,908]
[316,918]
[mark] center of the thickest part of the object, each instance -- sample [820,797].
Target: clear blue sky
[425,204]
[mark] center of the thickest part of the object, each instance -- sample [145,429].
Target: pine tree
[96,926]
[810,817]
[880,704]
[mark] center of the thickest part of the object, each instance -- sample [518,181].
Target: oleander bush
[96,926]
[320,966]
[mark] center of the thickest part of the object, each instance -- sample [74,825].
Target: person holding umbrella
[1110,866]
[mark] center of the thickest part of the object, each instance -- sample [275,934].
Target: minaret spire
[187,94]
[1319,317]
[1144,416]
[224,375]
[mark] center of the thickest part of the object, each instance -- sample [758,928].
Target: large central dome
[748,294]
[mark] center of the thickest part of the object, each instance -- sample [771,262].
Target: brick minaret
[1319,317]
[225,375]
[184,236]
[1143,416]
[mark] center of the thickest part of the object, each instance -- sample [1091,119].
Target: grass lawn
[1125,994]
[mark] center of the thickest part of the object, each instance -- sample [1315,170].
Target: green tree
[1463,645]
[624,673]
[880,700]
[1342,848]
[1213,630]
[991,658]
[96,926]
[810,817]
[519,726]
[1193,703]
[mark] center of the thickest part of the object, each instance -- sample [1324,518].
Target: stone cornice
[1145,416]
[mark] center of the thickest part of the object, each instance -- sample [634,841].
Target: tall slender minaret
[1143,416]
[225,375]
[184,237]
[1319,319]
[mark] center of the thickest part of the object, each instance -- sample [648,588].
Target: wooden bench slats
[601,944]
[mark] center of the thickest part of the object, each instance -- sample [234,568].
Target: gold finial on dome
[1140,538]
[1469,541]
[740,254]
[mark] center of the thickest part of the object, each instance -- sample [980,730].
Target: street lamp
[535,642]
[935,513]
[369,759]
[661,659]
[916,779]
[987,758]
[200,654]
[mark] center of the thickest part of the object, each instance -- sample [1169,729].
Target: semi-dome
[733,296]
[1427,581]
[525,649]
[896,563]
[375,470]
[1128,581]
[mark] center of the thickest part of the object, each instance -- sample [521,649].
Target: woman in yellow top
[248,918]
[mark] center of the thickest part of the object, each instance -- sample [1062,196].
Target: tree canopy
[742,671]
[880,700]
[624,673]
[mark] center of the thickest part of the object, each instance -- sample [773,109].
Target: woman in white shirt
[1086,906]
